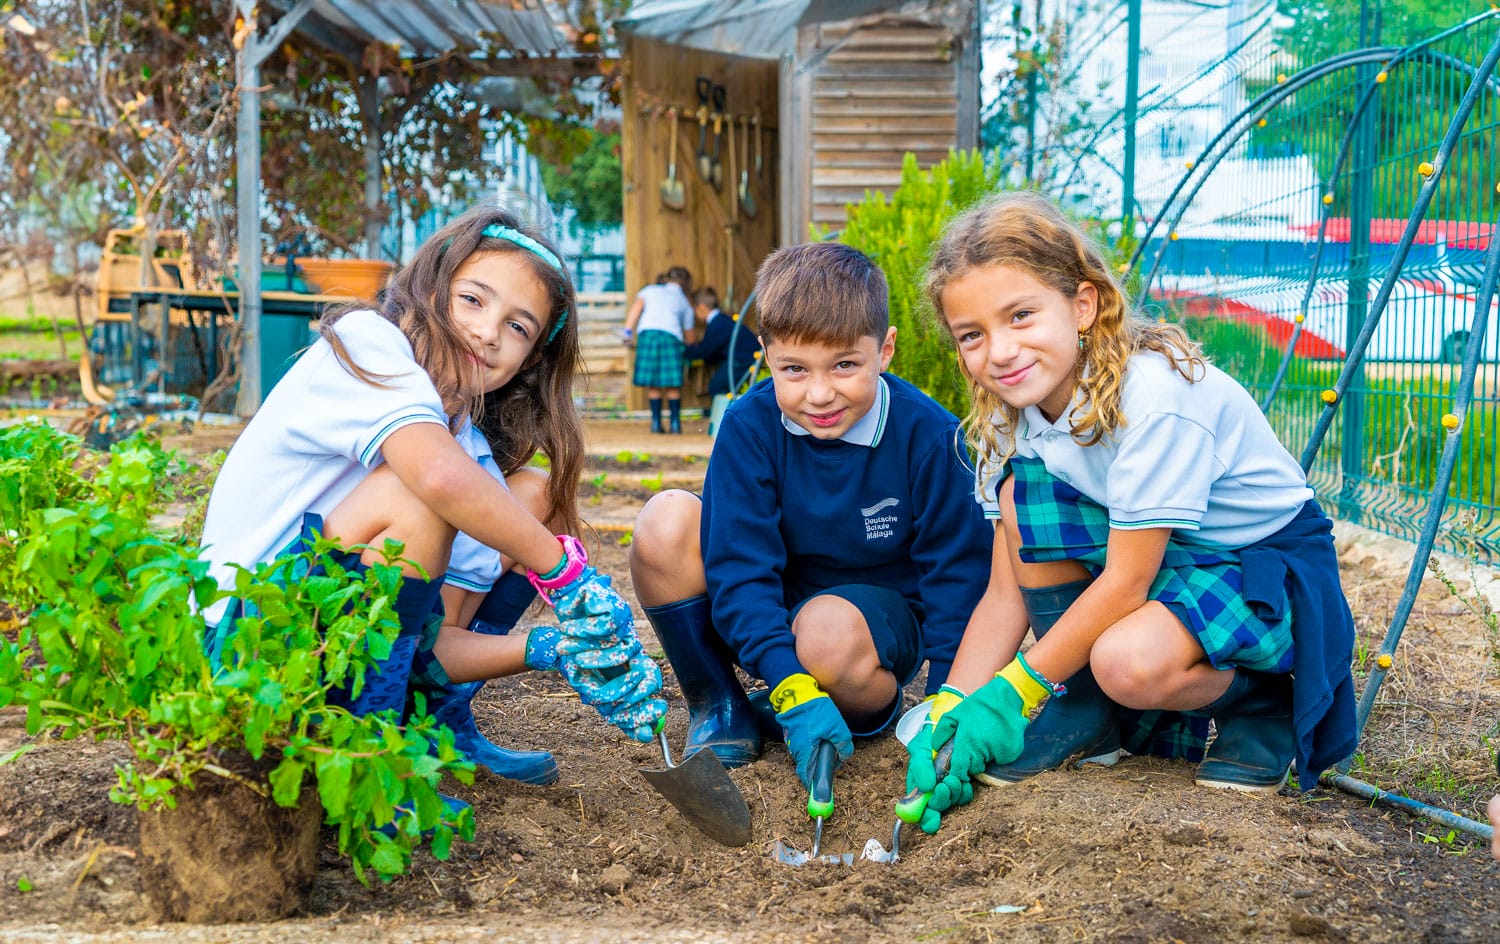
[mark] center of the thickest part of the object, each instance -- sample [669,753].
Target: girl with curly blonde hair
[1161,544]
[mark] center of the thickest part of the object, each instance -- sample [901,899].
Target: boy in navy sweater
[837,543]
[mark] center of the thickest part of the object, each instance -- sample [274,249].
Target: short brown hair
[707,297]
[824,293]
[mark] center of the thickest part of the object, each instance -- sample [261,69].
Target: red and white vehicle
[1429,315]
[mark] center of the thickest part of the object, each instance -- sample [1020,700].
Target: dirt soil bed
[1135,853]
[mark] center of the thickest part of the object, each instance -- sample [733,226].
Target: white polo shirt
[471,565]
[315,438]
[1199,458]
[666,309]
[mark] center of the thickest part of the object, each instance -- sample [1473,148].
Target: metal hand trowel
[701,790]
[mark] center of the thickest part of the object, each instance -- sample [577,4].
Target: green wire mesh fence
[1332,247]
[1275,247]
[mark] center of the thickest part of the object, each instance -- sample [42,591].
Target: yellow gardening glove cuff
[942,703]
[1031,687]
[797,689]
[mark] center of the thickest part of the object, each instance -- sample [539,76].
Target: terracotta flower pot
[361,278]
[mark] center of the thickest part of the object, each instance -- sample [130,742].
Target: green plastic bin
[282,337]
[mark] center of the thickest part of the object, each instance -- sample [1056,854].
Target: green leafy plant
[653,483]
[106,640]
[898,233]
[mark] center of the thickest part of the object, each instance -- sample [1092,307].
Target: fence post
[1361,206]
[1132,92]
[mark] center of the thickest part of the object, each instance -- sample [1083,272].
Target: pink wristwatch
[575,559]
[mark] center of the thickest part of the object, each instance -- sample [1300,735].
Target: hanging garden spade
[672,194]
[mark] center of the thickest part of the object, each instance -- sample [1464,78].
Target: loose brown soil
[1135,853]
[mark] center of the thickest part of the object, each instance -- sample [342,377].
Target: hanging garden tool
[715,160]
[704,169]
[819,807]
[746,198]
[755,122]
[731,229]
[672,194]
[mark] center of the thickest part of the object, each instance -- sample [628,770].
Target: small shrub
[106,640]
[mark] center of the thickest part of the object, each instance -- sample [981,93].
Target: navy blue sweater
[787,516]
[1299,566]
[713,351]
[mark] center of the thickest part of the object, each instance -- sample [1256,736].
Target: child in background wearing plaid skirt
[1161,544]
[659,324]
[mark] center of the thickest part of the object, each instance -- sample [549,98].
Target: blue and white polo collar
[868,429]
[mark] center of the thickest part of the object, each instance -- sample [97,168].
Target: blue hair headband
[518,238]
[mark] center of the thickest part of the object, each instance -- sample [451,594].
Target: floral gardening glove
[584,598]
[626,695]
[541,648]
[807,715]
[922,774]
[986,727]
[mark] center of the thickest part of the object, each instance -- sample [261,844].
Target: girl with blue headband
[414,419]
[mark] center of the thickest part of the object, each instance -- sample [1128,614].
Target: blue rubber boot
[1080,726]
[1256,741]
[765,715]
[452,807]
[451,704]
[385,682]
[719,716]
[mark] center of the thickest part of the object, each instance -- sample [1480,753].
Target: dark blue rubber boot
[385,682]
[719,716]
[1081,724]
[765,715]
[451,704]
[1256,741]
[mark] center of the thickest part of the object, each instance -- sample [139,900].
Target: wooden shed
[821,100]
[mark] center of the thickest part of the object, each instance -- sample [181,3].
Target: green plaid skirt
[1201,586]
[658,360]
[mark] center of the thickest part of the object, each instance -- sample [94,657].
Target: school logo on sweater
[879,526]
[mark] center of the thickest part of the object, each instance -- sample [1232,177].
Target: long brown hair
[1028,233]
[532,413]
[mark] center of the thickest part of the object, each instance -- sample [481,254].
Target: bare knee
[528,485]
[1127,673]
[666,563]
[833,640]
[382,508]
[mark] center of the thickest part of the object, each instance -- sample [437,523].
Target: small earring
[1080,342]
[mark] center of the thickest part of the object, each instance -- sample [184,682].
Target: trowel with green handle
[819,807]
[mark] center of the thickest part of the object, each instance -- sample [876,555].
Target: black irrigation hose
[1454,424]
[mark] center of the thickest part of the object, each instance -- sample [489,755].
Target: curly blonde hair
[1027,232]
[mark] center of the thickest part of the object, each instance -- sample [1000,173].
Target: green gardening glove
[922,774]
[987,727]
